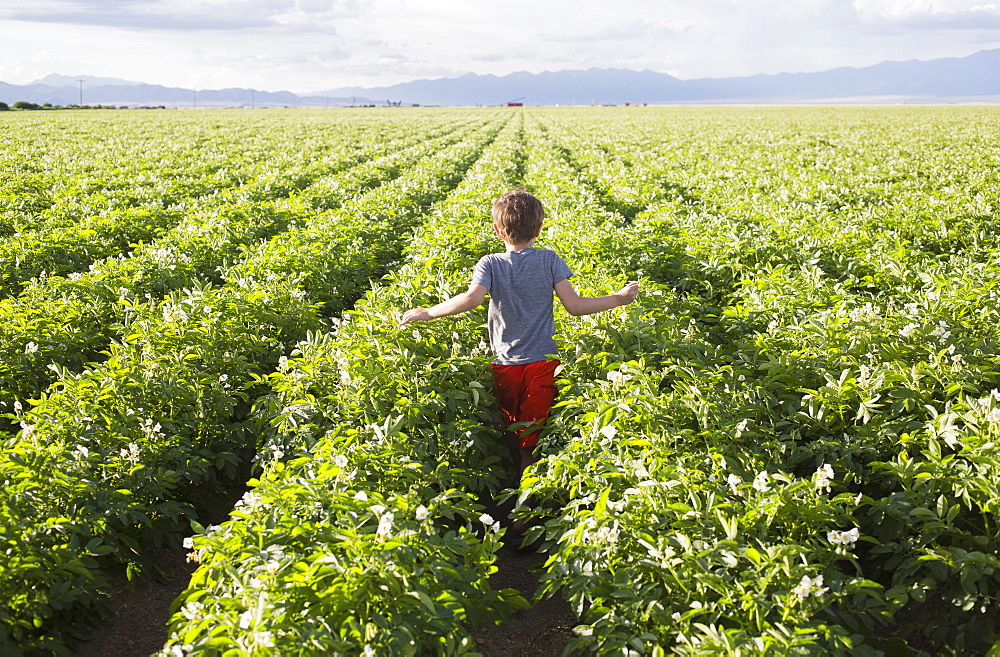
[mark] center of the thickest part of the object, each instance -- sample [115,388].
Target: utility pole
[81,92]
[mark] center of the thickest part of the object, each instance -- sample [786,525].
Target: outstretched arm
[577,305]
[460,303]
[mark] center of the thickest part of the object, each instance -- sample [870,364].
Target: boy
[520,283]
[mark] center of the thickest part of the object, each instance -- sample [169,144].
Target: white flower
[250,500]
[843,538]
[676,616]
[908,330]
[857,500]
[741,426]
[340,461]
[264,639]
[609,432]
[246,619]
[192,610]
[421,512]
[760,482]
[486,519]
[17,406]
[616,377]
[377,509]
[994,415]
[734,481]
[30,348]
[369,651]
[361,496]
[824,474]
[802,590]
[741,377]
[385,524]
[810,586]
[996,394]
[223,378]
[188,542]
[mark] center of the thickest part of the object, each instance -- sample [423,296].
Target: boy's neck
[519,247]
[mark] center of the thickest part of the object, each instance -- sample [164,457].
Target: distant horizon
[974,79]
[73,80]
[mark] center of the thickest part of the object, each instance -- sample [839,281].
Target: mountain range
[975,78]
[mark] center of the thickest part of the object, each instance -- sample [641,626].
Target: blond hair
[517,216]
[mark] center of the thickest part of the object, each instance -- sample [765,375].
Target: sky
[309,46]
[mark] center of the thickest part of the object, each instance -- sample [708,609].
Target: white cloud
[925,14]
[308,45]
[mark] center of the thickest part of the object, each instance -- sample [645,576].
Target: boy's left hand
[628,293]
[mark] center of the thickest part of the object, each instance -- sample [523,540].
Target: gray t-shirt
[520,316]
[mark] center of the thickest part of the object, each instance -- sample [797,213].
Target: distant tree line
[25,105]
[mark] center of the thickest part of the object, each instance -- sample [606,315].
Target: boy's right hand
[415,315]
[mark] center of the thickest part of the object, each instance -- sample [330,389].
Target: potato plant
[797,362]
[390,435]
[163,416]
[70,320]
[786,446]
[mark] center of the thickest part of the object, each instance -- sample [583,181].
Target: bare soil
[542,630]
[139,613]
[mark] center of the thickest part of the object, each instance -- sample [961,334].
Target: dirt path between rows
[137,627]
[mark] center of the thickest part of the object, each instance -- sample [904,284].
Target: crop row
[86,196]
[112,459]
[396,423]
[791,463]
[786,445]
[96,215]
[362,529]
[758,456]
[70,320]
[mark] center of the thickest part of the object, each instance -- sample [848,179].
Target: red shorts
[526,393]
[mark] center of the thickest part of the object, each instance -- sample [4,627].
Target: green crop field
[787,445]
